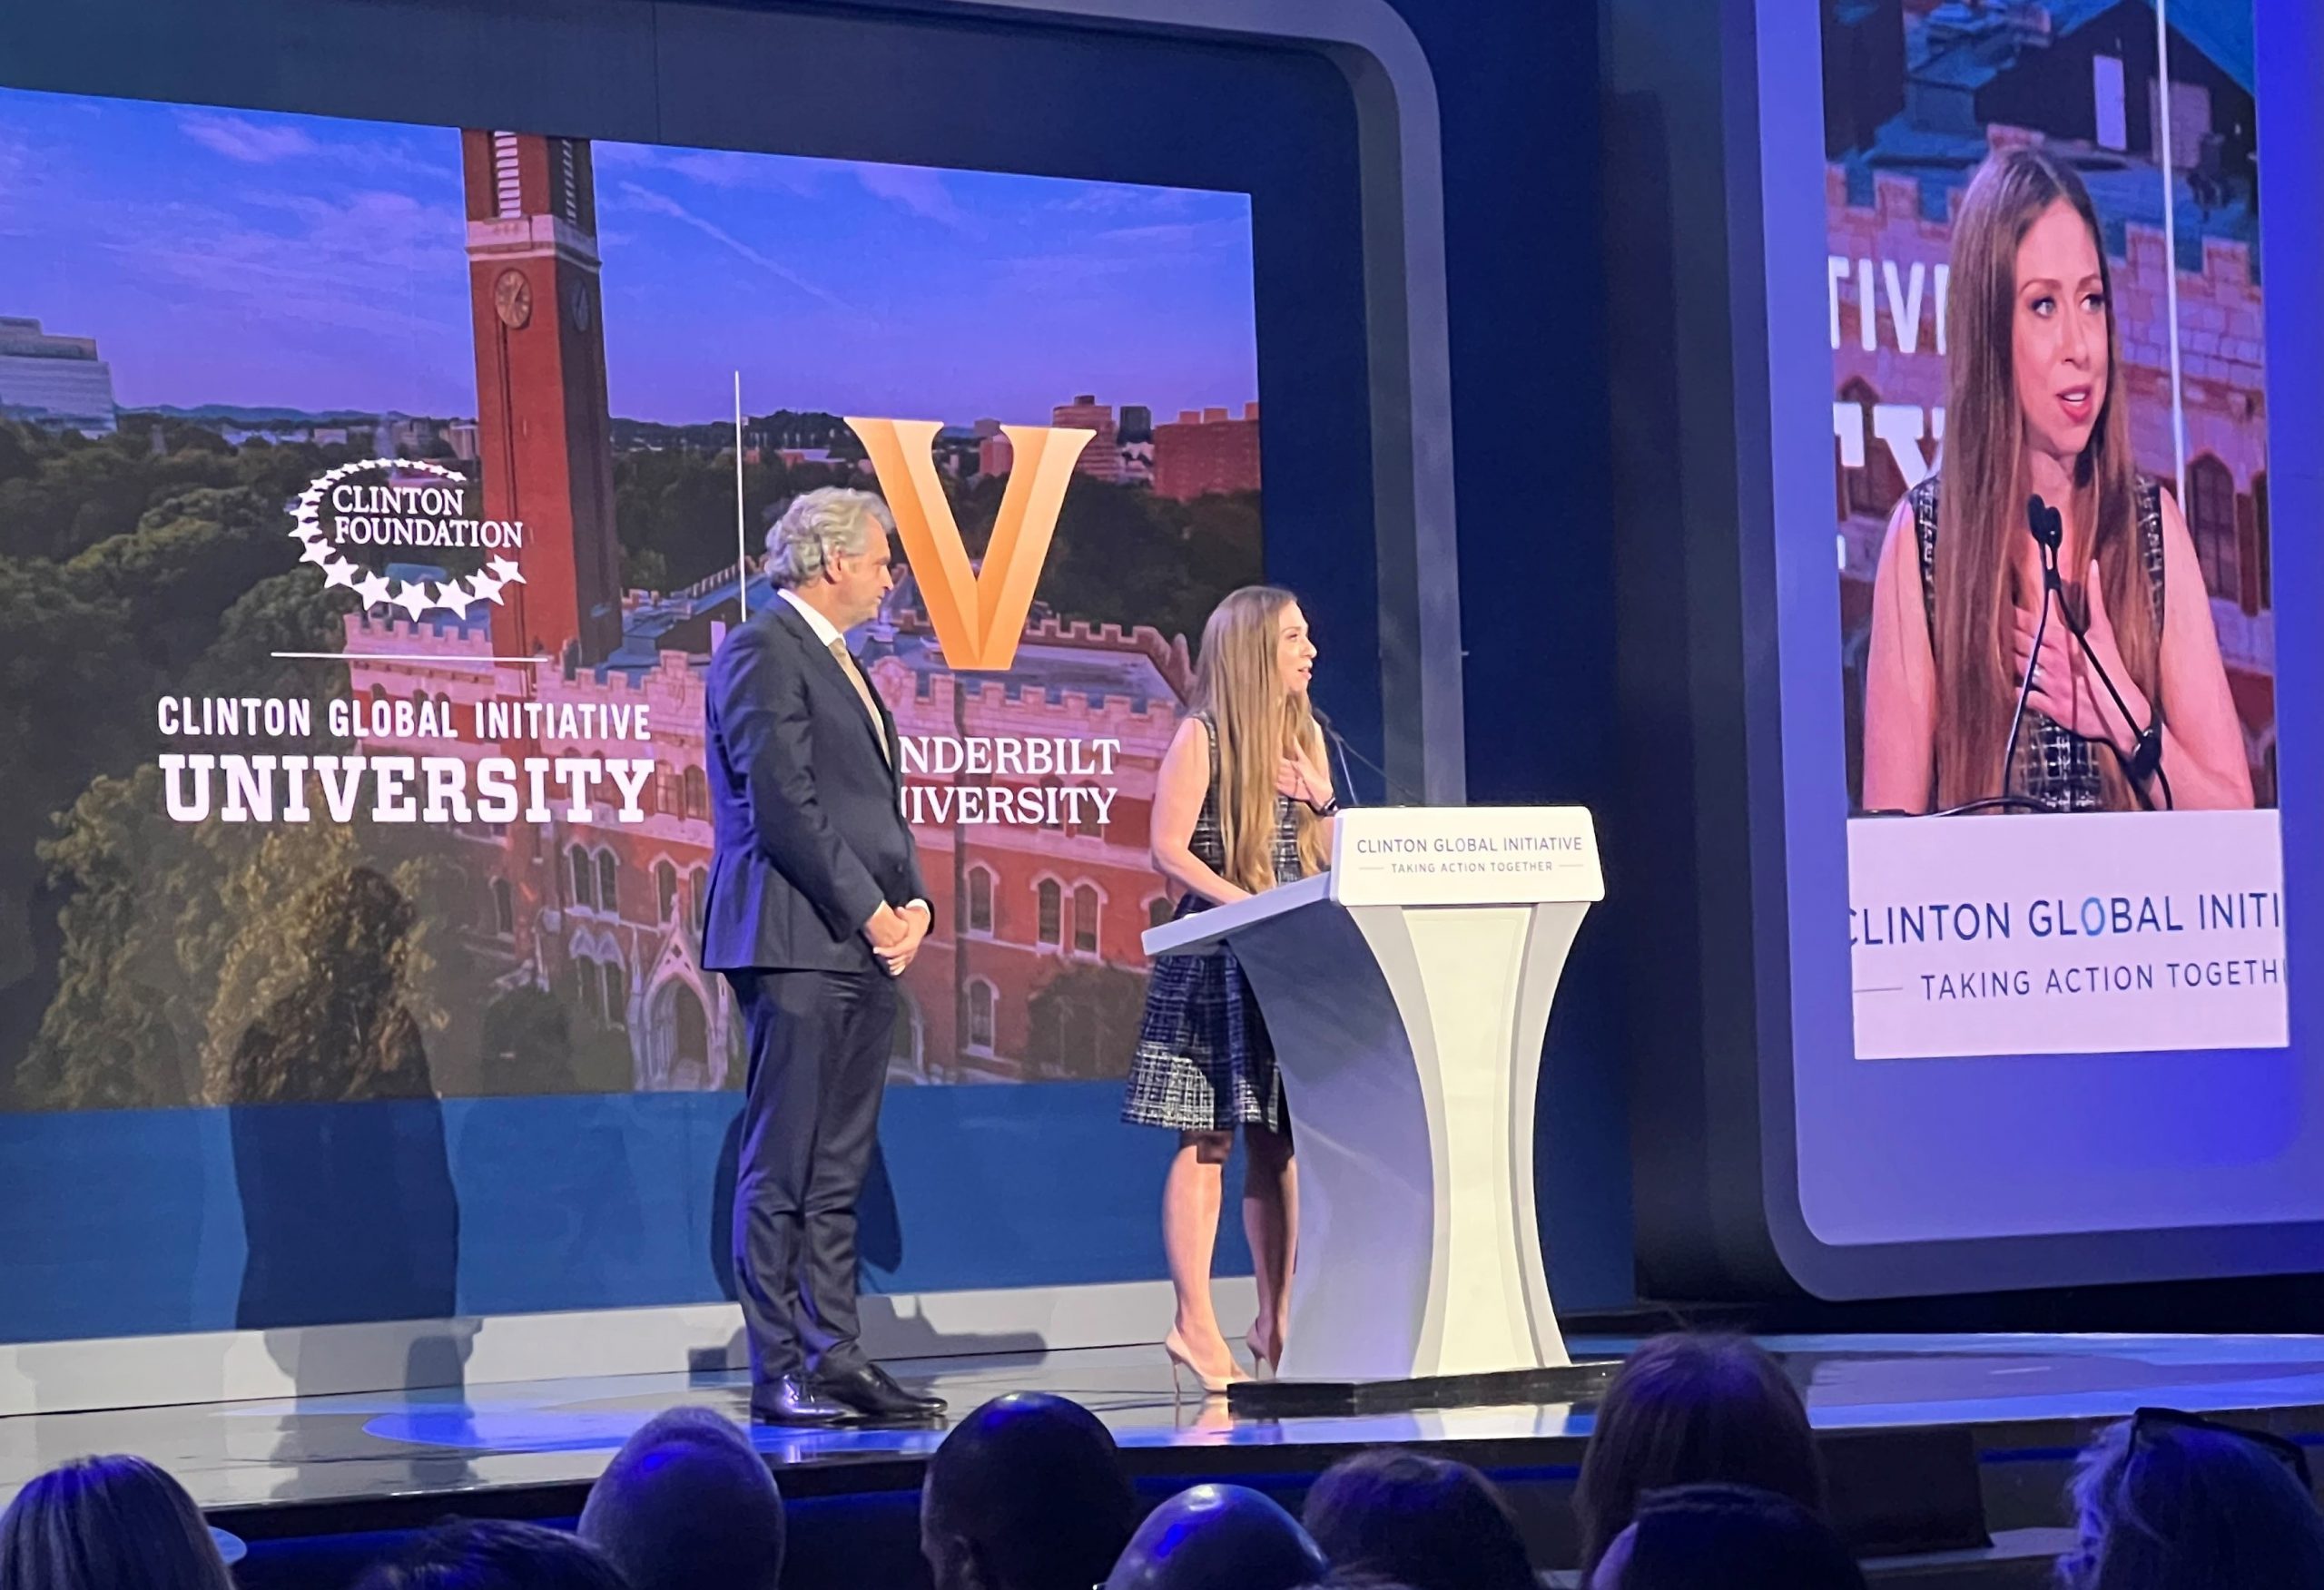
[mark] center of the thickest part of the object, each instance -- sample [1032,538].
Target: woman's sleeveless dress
[1204,1062]
[2054,765]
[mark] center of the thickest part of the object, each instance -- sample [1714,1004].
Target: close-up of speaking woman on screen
[2128,707]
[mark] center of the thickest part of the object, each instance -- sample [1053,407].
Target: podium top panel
[1465,856]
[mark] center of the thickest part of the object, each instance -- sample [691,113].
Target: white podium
[1407,991]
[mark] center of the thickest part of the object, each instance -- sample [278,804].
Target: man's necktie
[862,693]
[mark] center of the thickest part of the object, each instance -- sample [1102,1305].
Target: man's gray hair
[830,519]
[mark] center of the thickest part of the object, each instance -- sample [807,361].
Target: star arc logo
[416,599]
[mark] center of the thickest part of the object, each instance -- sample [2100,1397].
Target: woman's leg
[1191,1196]
[1270,1220]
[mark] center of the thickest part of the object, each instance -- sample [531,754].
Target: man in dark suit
[815,907]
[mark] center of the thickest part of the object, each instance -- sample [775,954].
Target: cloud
[917,189]
[378,153]
[725,169]
[662,204]
[914,189]
[1127,250]
[1175,235]
[1121,199]
[238,138]
[378,263]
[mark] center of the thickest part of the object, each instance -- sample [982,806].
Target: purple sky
[259,259]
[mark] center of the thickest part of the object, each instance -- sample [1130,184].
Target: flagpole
[741,532]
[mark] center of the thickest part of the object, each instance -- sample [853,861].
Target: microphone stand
[1339,743]
[2145,758]
[1347,778]
[2048,530]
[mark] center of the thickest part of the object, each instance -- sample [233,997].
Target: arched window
[697,792]
[1049,927]
[1159,910]
[379,695]
[1085,920]
[2211,519]
[615,1005]
[979,899]
[609,883]
[904,1041]
[667,795]
[980,1001]
[693,1031]
[698,892]
[1874,488]
[2265,558]
[665,891]
[585,987]
[504,908]
[585,879]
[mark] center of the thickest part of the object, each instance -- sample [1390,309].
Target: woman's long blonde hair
[1257,723]
[1981,515]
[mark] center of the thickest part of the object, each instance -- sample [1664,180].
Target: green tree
[342,1030]
[66,664]
[1083,1022]
[189,559]
[141,923]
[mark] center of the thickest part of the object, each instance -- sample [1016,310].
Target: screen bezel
[1798,803]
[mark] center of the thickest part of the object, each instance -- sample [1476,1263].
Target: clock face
[512,299]
[577,304]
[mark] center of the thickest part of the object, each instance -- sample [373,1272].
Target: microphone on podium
[2047,526]
[1396,791]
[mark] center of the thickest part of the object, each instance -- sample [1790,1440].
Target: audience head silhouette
[490,1555]
[107,1524]
[1725,1537]
[1688,1411]
[1218,1538]
[2167,1502]
[1422,1522]
[1027,1493]
[686,1502]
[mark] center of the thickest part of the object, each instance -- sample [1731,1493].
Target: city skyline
[317,265]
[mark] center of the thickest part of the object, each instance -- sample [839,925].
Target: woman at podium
[1239,807]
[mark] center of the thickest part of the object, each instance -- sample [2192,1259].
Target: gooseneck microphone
[2145,760]
[1396,791]
[2047,526]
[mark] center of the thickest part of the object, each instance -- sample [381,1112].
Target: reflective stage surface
[2023,1396]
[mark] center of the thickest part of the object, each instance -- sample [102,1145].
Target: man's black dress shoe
[873,1393]
[792,1400]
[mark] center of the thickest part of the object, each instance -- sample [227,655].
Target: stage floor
[381,1461]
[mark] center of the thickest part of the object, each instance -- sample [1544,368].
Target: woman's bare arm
[1179,790]
[1899,679]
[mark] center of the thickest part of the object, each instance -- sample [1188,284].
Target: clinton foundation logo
[979,614]
[397,531]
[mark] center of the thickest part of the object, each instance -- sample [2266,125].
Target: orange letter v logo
[980,615]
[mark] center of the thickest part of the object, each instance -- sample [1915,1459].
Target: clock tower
[544,433]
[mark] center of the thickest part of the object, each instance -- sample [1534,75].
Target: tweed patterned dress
[2056,766]
[1204,1062]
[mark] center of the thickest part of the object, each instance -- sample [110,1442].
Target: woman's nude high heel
[1182,1363]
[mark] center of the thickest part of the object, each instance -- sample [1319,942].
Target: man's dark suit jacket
[811,838]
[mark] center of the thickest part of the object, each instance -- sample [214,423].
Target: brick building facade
[1034,967]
